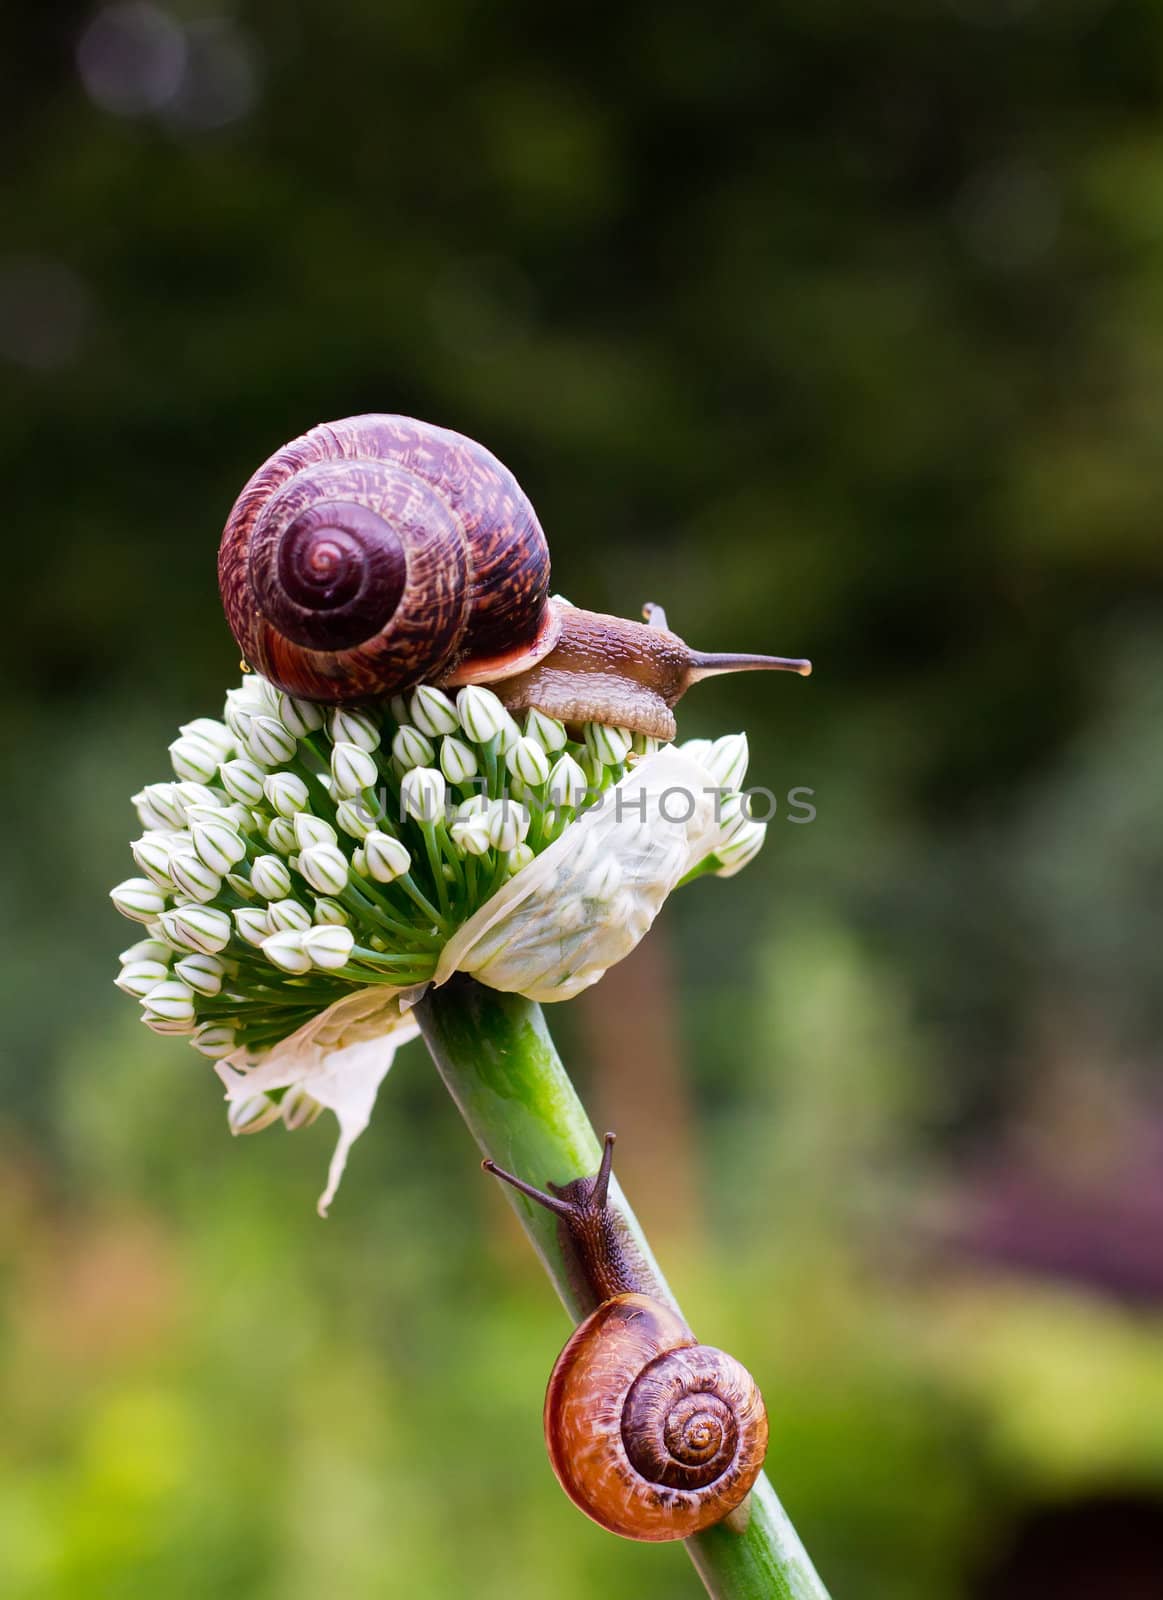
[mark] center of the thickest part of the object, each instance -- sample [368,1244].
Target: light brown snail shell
[377,553]
[650,1433]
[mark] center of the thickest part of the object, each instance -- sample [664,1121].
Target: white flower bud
[510,733]
[310,829]
[193,877]
[190,794]
[268,742]
[203,974]
[458,760]
[567,782]
[549,733]
[287,916]
[194,759]
[218,845]
[252,1113]
[243,780]
[146,950]
[352,770]
[744,844]
[201,928]
[230,816]
[216,734]
[359,862]
[281,835]
[325,868]
[138,899]
[152,854]
[644,745]
[412,749]
[353,727]
[518,858]
[356,818]
[482,716]
[253,925]
[508,824]
[330,914]
[329,947]
[270,878]
[287,792]
[386,858]
[528,762]
[170,1025]
[422,793]
[727,759]
[476,805]
[433,712]
[471,834]
[170,1001]
[298,1109]
[299,717]
[139,977]
[610,746]
[285,951]
[159,806]
[214,1039]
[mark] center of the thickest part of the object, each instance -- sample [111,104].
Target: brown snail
[650,1433]
[379,552]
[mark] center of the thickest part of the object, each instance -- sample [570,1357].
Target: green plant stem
[499,1063]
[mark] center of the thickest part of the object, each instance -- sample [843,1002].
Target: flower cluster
[301,853]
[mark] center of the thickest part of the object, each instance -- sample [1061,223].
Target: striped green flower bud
[481,714]
[138,899]
[285,951]
[253,924]
[433,712]
[528,762]
[386,858]
[201,928]
[422,793]
[203,974]
[288,915]
[411,748]
[299,717]
[325,868]
[243,780]
[458,760]
[353,727]
[287,792]
[270,877]
[329,947]
[352,770]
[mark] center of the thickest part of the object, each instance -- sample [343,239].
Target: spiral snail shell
[379,552]
[650,1433]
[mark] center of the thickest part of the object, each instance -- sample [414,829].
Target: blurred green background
[837,327]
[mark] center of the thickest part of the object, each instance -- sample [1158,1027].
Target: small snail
[650,1433]
[377,553]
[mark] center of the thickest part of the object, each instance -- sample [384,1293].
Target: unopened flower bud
[518,858]
[139,977]
[411,748]
[433,712]
[422,793]
[253,925]
[159,806]
[270,878]
[508,824]
[549,733]
[471,834]
[329,947]
[356,818]
[187,793]
[310,829]
[243,780]
[611,746]
[325,868]
[170,1001]
[215,1040]
[281,835]
[299,717]
[218,845]
[138,899]
[359,862]
[146,950]
[287,792]
[203,974]
[267,742]
[194,759]
[288,916]
[193,877]
[385,857]
[458,760]
[202,928]
[329,914]
[482,716]
[298,1109]
[251,1113]
[528,762]
[567,782]
[744,844]
[353,727]
[216,734]
[285,951]
[152,854]
[727,759]
[352,770]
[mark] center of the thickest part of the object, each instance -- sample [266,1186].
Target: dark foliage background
[835,325]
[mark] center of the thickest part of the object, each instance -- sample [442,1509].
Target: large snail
[379,552]
[650,1433]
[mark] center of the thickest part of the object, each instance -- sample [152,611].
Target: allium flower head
[307,872]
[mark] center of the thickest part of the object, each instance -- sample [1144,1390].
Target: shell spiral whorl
[650,1433]
[376,553]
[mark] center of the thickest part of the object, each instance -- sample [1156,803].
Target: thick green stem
[499,1064]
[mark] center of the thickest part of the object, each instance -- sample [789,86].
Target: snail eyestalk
[714,664]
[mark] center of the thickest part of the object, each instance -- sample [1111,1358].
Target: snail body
[650,1433]
[379,552]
